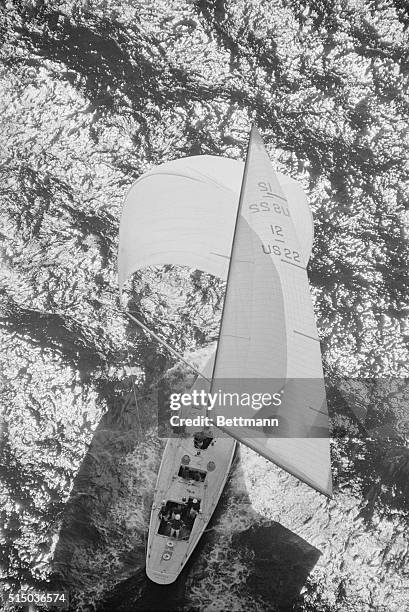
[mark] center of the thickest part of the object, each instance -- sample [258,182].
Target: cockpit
[202,440]
[177,518]
[190,473]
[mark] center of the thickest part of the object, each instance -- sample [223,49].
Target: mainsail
[184,212]
[268,328]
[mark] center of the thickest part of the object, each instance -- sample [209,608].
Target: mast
[236,222]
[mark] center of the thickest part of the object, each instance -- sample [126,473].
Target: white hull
[166,556]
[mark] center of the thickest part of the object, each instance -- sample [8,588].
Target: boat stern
[166,559]
[161,577]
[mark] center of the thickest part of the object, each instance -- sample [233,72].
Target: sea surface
[273,543]
[94,93]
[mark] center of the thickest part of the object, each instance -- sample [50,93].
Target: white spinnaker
[184,212]
[268,328]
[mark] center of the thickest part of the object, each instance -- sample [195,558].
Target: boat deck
[186,474]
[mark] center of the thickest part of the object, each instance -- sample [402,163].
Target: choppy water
[270,538]
[273,544]
[245,560]
[92,95]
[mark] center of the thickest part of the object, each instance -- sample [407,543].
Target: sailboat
[252,227]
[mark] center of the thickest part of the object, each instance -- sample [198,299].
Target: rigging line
[164,343]
[138,415]
[159,339]
[142,432]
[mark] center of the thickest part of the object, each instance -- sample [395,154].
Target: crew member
[194,510]
[163,510]
[184,509]
[175,526]
[202,439]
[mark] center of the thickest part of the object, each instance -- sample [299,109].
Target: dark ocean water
[244,561]
[270,539]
